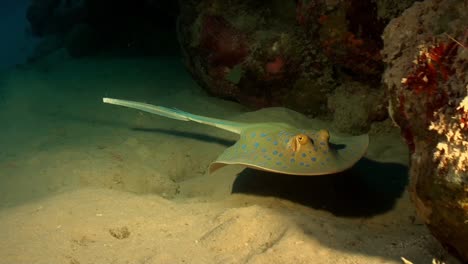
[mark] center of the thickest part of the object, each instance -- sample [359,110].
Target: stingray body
[274,147]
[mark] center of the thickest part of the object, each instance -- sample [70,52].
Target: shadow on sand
[367,189]
[192,135]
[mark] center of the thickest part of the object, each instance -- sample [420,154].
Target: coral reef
[427,57]
[236,50]
[355,107]
[350,37]
[282,53]
[223,43]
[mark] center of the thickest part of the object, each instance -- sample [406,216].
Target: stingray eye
[323,135]
[302,139]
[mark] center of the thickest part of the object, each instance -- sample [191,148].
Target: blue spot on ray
[275,152]
[256,144]
[263,135]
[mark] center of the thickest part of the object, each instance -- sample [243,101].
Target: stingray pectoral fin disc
[214,166]
[349,150]
[340,154]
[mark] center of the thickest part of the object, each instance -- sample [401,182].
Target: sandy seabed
[83,182]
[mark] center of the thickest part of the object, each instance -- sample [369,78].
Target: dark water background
[16,41]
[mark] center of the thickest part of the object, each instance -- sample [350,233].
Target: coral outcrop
[284,53]
[427,57]
[355,107]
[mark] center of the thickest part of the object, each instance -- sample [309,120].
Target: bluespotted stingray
[274,147]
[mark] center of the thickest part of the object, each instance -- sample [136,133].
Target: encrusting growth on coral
[432,64]
[433,67]
[453,151]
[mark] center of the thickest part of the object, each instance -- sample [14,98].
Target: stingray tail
[235,127]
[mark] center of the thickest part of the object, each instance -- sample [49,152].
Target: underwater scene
[233,131]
